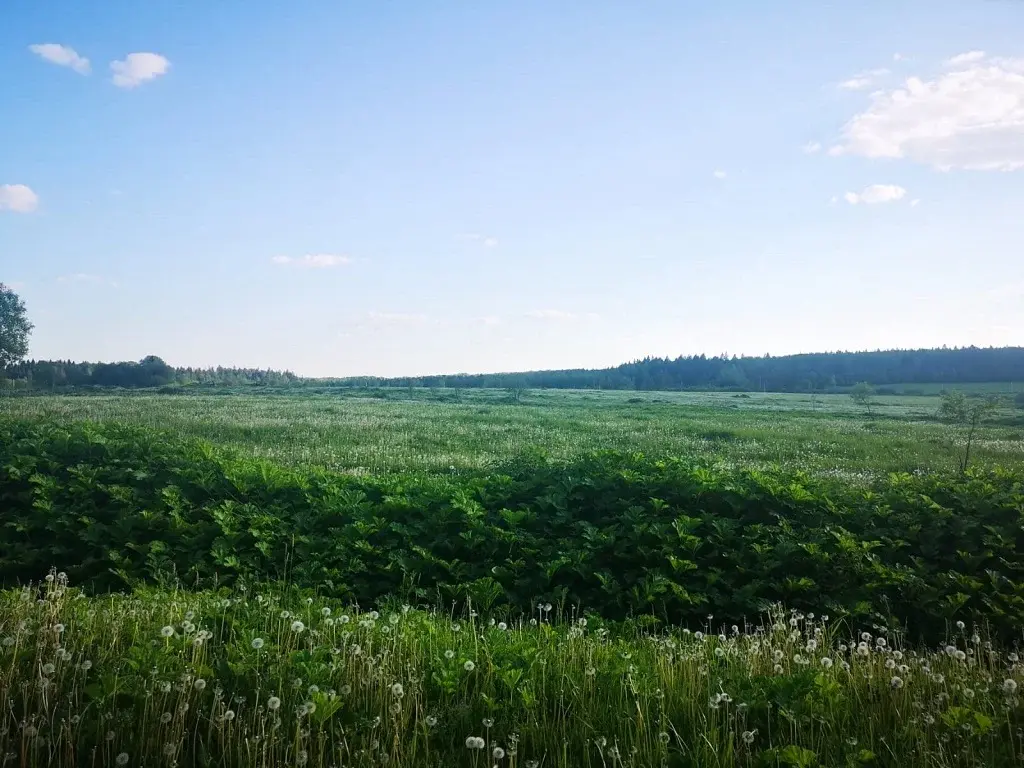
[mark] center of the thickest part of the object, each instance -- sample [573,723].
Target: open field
[231,548]
[428,430]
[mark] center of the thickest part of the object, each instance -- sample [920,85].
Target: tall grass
[269,676]
[824,435]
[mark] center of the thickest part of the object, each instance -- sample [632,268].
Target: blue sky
[405,187]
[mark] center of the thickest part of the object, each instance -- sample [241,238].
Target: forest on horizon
[823,372]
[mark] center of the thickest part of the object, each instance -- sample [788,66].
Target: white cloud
[812,147]
[899,57]
[137,68]
[81,277]
[62,55]
[970,116]
[486,240]
[312,261]
[876,193]
[720,174]
[862,80]
[915,202]
[561,315]
[18,198]
[551,314]
[396,317]
[965,58]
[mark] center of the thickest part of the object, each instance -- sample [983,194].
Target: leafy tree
[965,416]
[14,328]
[861,393]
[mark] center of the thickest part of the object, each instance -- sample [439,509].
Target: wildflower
[397,690]
[301,757]
[896,682]
[121,759]
[346,690]
[488,722]
[969,693]
[719,652]
[431,721]
[960,655]
[257,643]
[950,650]
[475,742]
[165,687]
[298,626]
[778,669]
[49,669]
[273,703]
[498,753]
[199,684]
[111,735]
[325,611]
[165,718]
[169,749]
[890,664]
[1013,657]
[167,631]
[229,715]
[865,636]
[1009,686]
[826,662]
[469,666]
[502,626]
[532,764]
[663,737]
[880,642]
[591,672]
[748,736]
[960,625]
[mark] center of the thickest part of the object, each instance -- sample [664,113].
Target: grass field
[426,430]
[609,610]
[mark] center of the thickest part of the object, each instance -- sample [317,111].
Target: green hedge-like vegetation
[616,534]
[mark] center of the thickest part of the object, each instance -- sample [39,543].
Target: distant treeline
[151,371]
[790,373]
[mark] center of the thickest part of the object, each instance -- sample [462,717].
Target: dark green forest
[827,371]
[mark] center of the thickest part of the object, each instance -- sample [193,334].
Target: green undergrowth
[619,534]
[271,675]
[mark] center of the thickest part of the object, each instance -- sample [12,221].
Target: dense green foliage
[149,372]
[616,533]
[14,328]
[825,372]
[264,675]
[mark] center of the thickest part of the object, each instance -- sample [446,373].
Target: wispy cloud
[487,241]
[312,261]
[18,198]
[557,315]
[137,68]
[720,174]
[968,116]
[876,193]
[863,80]
[396,317]
[965,58]
[82,277]
[812,147]
[62,56]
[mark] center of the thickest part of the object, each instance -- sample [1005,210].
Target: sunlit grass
[268,677]
[825,435]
